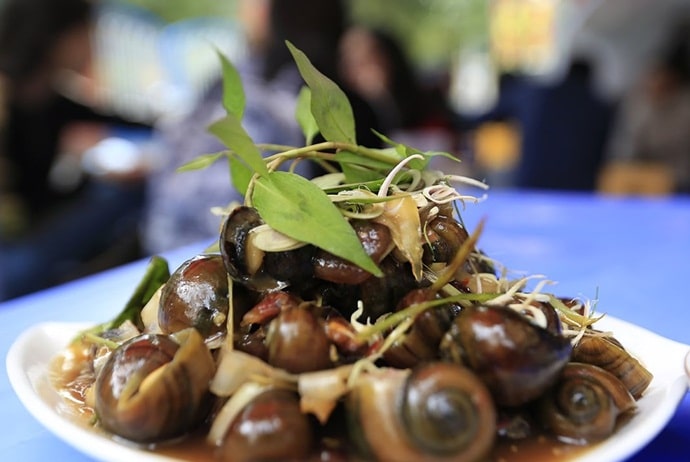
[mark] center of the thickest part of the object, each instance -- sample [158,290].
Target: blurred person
[178,204]
[373,63]
[563,126]
[52,217]
[649,152]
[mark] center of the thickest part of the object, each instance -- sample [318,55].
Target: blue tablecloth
[631,254]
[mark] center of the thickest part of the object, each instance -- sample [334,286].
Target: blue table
[634,254]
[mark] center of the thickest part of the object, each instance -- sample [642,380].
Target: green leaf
[329,104]
[240,174]
[201,162]
[347,157]
[156,274]
[357,174]
[304,117]
[405,151]
[298,208]
[230,131]
[233,92]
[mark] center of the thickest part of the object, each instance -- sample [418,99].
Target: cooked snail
[422,340]
[196,295]
[270,427]
[435,412]
[243,260]
[607,353]
[443,234]
[297,341]
[377,242]
[585,404]
[153,388]
[517,359]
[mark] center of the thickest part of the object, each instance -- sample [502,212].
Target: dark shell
[270,428]
[237,253]
[153,389]
[421,341]
[376,240]
[196,295]
[585,404]
[443,238]
[517,359]
[294,267]
[378,295]
[297,341]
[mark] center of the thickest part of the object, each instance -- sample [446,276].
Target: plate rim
[107,448]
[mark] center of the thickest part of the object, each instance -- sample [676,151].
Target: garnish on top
[363,179]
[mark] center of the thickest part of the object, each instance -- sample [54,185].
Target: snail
[270,427]
[196,295]
[421,341]
[242,257]
[443,234]
[297,340]
[377,242]
[153,388]
[434,412]
[607,353]
[517,359]
[585,404]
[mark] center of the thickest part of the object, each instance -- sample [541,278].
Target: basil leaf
[406,151]
[359,174]
[230,131]
[233,93]
[298,208]
[201,162]
[360,169]
[348,157]
[329,104]
[240,174]
[304,117]
[156,274]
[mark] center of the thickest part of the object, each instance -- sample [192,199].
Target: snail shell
[297,341]
[435,412]
[608,354]
[517,359]
[377,242]
[443,237]
[585,404]
[244,261]
[270,427]
[153,388]
[196,295]
[420,343]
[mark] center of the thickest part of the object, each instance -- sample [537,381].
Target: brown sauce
[537,448]
[540,448]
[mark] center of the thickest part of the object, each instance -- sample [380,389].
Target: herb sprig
[288,202]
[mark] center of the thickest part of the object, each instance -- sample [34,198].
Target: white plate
[29,357]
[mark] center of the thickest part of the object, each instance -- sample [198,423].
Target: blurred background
[589,96]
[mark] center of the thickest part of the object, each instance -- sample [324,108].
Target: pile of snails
[277,350]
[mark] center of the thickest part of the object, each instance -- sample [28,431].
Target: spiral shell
[435,412]
[585,404]
[153,388]
[608,354]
